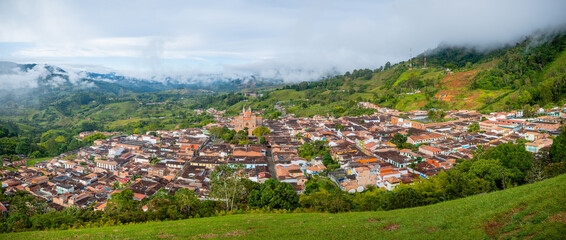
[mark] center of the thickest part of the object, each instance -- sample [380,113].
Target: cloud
[292,40]
[14,78]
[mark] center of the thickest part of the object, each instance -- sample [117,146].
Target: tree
[186,199]
[399,139]
[405,196]
[51,147]
[316,183]
[226,184]
[217,132]
[492,171]
[327,159]
[122,201]
[310,150]
[323,200]
[557,152]
[275,115]
[228,135]
[275,195]
[474,128]
[93,137]
[387,65]
[23,146]
[514,157]
[263,140]
[261,131]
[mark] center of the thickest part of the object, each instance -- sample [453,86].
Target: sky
[293,40]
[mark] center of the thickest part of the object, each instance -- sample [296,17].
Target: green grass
[32,162]
[404,76]
[536,211]
[411,102]
[13,169]
[124,122]
[287,94]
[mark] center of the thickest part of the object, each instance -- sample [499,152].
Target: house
[3,209]
[425,138]
[249,151]
[391,183]
[537,145]
[534,135]
[65,188]
[109,165]
[499,126]
[249,162]
[316,169]
[205,161]
[40,179]
[130,145]
[394,158]
[365,177]
[547,126]
[549,119]
[139,196]
[429,150]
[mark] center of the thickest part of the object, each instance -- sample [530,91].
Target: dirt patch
[212,235]
[373,220]
[559,217]
[431,230]
[493,227]
[509,234]
[455,84]
[256,227]
[390,227]
[165,236]
[458,80]
[528,217]
[234,233]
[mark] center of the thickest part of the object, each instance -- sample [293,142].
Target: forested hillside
[528,75]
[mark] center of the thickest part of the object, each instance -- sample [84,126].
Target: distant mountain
[47,77]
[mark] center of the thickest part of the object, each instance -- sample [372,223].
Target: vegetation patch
[390,227]
[559,217]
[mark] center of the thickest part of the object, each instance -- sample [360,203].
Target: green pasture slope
[535,211]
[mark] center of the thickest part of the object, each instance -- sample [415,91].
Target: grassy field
[535,211]
[32,162]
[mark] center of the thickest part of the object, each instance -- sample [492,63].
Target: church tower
[248,120]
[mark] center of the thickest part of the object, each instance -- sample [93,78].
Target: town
[382,150]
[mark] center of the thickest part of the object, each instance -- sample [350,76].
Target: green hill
[534,211]
[523,76]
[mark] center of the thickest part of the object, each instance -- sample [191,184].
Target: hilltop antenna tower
[424,59]
[411,59]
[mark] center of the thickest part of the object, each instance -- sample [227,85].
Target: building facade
[247,120]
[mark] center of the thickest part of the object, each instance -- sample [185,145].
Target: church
[247,119]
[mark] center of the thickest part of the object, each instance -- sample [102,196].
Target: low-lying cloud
[15,78]
[290,40]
